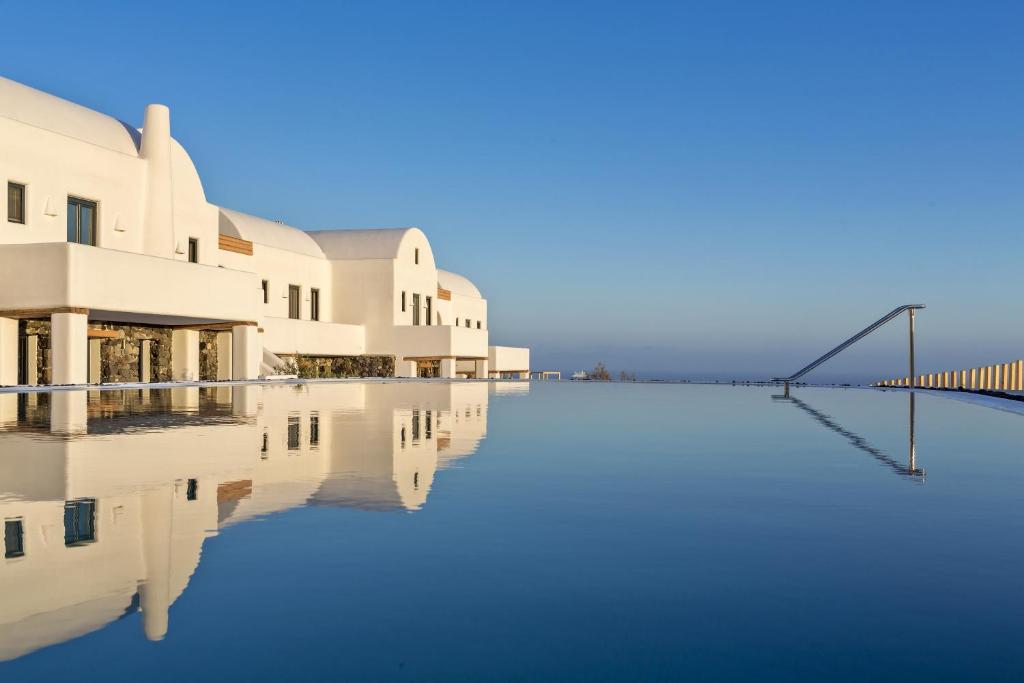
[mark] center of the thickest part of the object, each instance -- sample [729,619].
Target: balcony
[313,338]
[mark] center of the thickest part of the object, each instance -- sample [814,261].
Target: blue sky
[669,187]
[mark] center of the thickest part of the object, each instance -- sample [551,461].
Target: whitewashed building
[115,267]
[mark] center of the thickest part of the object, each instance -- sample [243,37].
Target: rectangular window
[293,433]
[14,538]
[15,203]
[192,490]
[79,521]
[81,221]
[415,426]
[314,304]
[314,430]
[294,292]
[467,322]
[266,291]
[417,256]
[478,324]
[403,302]
[193,250]
[415,309]
[430,310]
[429,426]
[456,322]
[265,448]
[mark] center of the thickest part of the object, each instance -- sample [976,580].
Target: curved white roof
[362,244]
[267,233]
[36,108]
[456,284]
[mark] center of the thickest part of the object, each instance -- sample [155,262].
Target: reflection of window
[314,430]
[478,324]
[293,433]
[265,449]
[415,425]
[428,425]
[192,491]
[14,538]
[266,291]
[79,521]
[467,322]
[403,436]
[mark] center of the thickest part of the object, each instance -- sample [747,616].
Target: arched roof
[39,109]
[457,284]
[382,243]
[267,233]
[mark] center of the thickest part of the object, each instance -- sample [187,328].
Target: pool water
[509,531]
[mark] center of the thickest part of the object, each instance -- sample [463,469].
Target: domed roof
[267,233]
[382,243]
[457,284]
[39,109]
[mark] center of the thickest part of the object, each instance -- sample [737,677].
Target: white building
[114,267]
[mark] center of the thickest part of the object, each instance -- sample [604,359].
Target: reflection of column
[69,347]
[185,355]
[8,409]
[913,450]
[448,368]
[8,351]
[69,412]
[155,590]
[224,343]
[246,352]
[185,398]
[244,399]
[482,369]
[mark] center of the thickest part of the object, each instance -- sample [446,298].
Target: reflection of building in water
[107,497]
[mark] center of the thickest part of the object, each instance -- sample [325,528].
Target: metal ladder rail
[857,337]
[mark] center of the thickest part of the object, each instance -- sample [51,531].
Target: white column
[482,367]
[95,361]
[405,368]
[225,340]
[69,348]
[185,355]
[8,351]
[246,352]
[145,360]
[448,368]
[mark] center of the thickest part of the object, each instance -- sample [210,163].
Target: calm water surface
[475,531]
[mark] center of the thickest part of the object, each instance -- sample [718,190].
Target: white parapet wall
[509,359]
[313,338]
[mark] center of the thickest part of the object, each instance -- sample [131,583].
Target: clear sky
[669,187]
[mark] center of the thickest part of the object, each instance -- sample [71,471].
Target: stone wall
[207,355]
[341,366]
[41,329]
[119,358]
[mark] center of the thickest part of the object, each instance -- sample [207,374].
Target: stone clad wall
[207,355]
[41,329]
[341,366]
[119,358]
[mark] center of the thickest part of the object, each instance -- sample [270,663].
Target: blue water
[552,531]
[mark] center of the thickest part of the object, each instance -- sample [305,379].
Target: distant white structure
[114,266]
[580,374]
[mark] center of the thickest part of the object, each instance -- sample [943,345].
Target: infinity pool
[509,531]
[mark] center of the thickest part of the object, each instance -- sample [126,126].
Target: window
[81,221]
[478,324]
[79,521]
[314,430]
[403,302]
[193,250]
[415,426]
[294,292]
[15,203]
[293,433]
[456,322]
[266,291]
[192,490]
[467,322]
[430,310]
[314,304]
[415,309]
[416,256]
[265,448]
[429,426]
[14,538]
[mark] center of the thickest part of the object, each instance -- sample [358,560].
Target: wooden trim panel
[42,312]
[444,294]
[235,244]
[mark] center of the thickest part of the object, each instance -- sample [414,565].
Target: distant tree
[600,372]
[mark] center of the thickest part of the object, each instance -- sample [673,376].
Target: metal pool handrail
[908,308]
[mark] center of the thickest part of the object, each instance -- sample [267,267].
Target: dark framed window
[265,448]
[14,538]
[415,309]
[266,291]
[314,304]
[456,322]
[79,521]
[15,203]
[294,292]
[467,322]
[478,324]
[81,221]
[429,426]
[416,256]
[430,310]
[415,426]
[403,302]
[192,490]
[293,433]
[314,430]
[193,250]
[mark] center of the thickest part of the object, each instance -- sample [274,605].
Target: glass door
[415,309]
[293,302]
